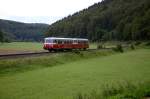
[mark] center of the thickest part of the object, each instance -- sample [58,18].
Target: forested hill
[22,31]
[107,20]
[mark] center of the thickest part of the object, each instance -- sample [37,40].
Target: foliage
[118,48]
[107,20]
[138,43]
[100,46]
[132,46]
[1,36]
[148,43]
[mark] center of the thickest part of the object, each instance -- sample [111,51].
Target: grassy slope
[80,76]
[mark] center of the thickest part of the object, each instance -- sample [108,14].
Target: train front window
[48,41]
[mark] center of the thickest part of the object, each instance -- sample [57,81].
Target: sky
[41,11]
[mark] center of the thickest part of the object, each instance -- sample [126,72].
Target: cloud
[34,8]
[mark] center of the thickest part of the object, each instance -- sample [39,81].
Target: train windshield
[48,41]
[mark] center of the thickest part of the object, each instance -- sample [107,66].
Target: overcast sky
[41,11]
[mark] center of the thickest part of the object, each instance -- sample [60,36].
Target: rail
[5,56]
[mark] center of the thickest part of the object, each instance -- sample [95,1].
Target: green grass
[18,47]
[21,46]
[119,90]
[8,66]
[67,80]
[93,45]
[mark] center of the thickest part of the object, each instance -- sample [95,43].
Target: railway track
[30,54]
[18,55]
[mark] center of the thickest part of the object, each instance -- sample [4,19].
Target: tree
[109,20]
[1,36]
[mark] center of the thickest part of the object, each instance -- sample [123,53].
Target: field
[22,47]
[65,80]
[19,47]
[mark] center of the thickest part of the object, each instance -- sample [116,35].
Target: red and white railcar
[54,43]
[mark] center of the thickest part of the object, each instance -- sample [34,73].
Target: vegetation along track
[18,55]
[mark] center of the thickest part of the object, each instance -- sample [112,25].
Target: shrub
[148,43]
[132,46]
[100,46]
[119,48]
[137,43]
[129,42]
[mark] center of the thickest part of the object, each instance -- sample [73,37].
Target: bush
[119,48]
[100,46]
[132,46]
[148,43]
[129,42]
[7,40]
[137,43]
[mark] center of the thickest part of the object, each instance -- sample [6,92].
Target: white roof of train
[66,38]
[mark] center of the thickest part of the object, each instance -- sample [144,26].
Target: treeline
[17,31]
[107,20]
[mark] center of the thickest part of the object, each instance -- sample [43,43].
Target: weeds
[118,48]
[123,90]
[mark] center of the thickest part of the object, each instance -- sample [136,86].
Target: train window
[75,41]
[59,42]
[83,42]
[55,41]
[48,41]
[65,42]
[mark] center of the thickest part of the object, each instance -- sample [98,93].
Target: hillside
[107,20]
[22,31]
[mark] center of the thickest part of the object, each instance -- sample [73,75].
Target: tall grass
[124,90]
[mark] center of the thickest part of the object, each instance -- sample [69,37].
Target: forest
[107,20]
[17,31]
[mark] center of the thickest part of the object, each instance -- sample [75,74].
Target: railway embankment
[48,60]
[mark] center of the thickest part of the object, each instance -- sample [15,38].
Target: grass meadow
[77,75]
[19,47]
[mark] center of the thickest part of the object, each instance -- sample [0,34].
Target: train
[60,44]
